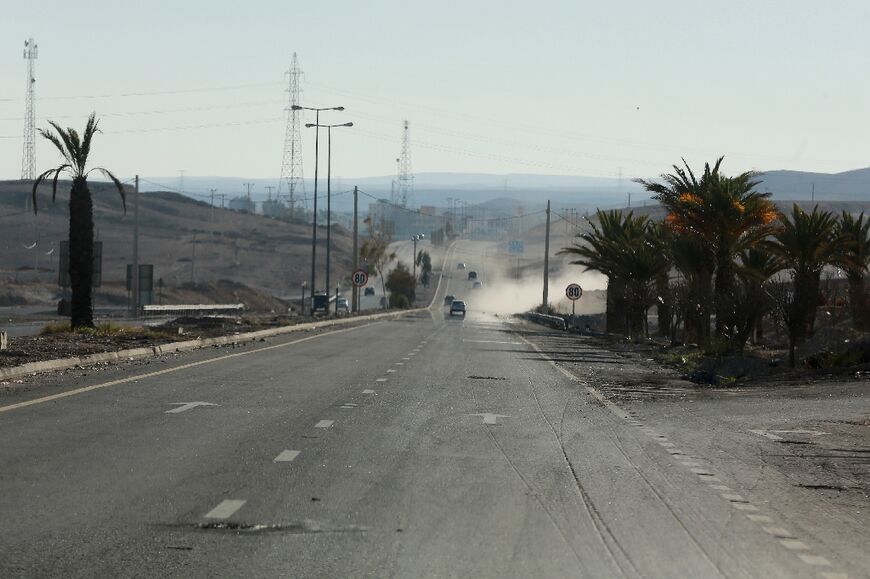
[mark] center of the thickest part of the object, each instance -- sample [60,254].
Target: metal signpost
[574,292]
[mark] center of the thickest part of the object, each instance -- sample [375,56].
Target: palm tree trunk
[858,301]
[81,253]
[663,304]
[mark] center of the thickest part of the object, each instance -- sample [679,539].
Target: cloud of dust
[503,293]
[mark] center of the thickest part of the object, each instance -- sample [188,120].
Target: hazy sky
[568,87]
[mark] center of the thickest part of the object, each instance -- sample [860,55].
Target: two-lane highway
[423,446]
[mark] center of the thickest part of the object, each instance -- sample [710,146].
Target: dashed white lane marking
[794,545]
[702,471]
[492,342]
[390,371]
[720,487]
[324,424]
[759,518]
[348,406]
[400,363]
[287,456]
[744,506]
[225,509]
[735,499]
[381,380]
[406,358]
[779,532]
[185,406]
[489,418]
[667,444]
[369,391]
[814,560]
[766,434]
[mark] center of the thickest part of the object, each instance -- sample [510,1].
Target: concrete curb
[173,347]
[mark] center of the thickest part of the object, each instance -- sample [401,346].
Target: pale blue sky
[567,87]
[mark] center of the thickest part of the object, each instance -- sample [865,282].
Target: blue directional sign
[516,246]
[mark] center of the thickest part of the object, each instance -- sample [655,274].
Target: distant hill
[846,186]
[185,239]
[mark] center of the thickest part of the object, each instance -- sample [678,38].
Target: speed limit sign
[359,278]
[573,291]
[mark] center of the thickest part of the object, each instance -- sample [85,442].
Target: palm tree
[805,242]
[725,215]
[756,267]
[854,258]
[622,248]
[75,153]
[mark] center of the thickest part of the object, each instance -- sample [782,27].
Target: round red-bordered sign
[359,278]
[574,291]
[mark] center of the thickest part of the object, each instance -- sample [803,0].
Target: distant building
[275,209]
[242,204]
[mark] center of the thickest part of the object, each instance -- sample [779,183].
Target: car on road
[472,275]
[457,307]
[449,299]
[460,265]
[477,285]
[342,307]
[369,291]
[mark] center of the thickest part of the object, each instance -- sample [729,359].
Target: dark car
[448,299]
[369,291]
[472,275]
[457,307]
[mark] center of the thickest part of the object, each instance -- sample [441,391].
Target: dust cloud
[503,293]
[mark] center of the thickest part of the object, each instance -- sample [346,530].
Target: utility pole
[212,192]
[547,259]
[135,272]
[355,295]
[193,260]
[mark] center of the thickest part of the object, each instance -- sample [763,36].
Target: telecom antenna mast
[28,160]
[291,164]
[405,191]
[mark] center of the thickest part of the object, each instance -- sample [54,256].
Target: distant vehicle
[342,306]
[472,275]
[477,285]
[449,299]
[369,291]
[457,307]
[460,265]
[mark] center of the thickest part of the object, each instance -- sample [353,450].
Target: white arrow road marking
[185,406]
[489,418]
[774,434]
[287,456]
[324,424]
[225,510]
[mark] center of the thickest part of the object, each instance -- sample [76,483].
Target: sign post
[573,292]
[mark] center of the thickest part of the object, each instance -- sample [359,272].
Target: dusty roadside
[796,446]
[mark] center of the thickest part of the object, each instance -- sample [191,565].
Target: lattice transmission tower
[405,184]
[28,159]
[291,165]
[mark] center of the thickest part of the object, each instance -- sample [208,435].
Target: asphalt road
[424,446]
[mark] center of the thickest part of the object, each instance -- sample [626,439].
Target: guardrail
[193,309]
[552,321]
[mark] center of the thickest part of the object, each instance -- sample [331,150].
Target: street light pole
[316,167]
[328,191]
[314,220]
